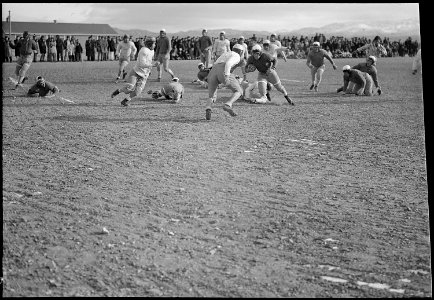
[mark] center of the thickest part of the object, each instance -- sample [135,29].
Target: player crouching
[42,88]
[171,91]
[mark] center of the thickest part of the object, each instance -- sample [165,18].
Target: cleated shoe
[115,93]
[24,79]
[289,100]
[339,90]
[311,87]
[268,96]
[208,114]
[125,102]
[228,109]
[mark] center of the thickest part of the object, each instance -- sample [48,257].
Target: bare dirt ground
[327,198]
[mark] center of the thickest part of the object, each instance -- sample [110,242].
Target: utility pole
[10,25]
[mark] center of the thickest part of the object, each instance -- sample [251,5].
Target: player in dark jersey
[265,64]
[42,88]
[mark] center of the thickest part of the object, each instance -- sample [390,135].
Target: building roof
[58,28]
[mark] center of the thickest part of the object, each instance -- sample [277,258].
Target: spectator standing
[162,53]
[42,47]
[205,47]
[104,48]
[7,49]
[78,51]
[111,48]
[35,58]
[221,45]
[99,48]
[59,48]
[52,50]
[17,50]
[87,47]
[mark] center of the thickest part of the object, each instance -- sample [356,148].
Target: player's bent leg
[369,87]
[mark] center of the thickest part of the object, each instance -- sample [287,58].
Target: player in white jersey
[221,72]
[272,49]
[171,91]
[274,41]
[220,46]
[124,51]
[138,75]
[417,62]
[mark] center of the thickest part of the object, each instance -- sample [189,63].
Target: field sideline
[327,198]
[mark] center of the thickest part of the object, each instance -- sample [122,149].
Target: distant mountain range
[393,29]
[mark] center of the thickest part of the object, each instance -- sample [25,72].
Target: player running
[124,51]
[162,53]
[266,65]
[315,62]
[26,47]
[272,49]
[138,75]
[221,73]
[171,91]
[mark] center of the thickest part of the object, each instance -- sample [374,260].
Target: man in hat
[124,51]
[27,47]
[162,53]
[205,46]
[221,45]
[315,62]
[138,75]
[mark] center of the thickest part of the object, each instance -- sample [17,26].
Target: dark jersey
[263,63]
[43,89]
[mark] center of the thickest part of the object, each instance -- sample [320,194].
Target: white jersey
[126,49]
[221,46]
[144,62]
[230,59]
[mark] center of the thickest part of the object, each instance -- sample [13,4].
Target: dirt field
[327,198]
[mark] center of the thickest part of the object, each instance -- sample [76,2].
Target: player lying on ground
[42,88]
[363,83]
[251,91]
[171,91]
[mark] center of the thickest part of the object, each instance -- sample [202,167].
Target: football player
[363,82]
[138,75]
[315,62]
[162,53]
[367,67]
[171,91]
[42,88]
[124,51]
[265,64]
[221,72]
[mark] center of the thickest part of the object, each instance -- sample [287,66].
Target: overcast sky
[176,17]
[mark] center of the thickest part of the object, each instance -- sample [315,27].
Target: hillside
[395,30]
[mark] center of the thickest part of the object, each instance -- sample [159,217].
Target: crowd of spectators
[55,48]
